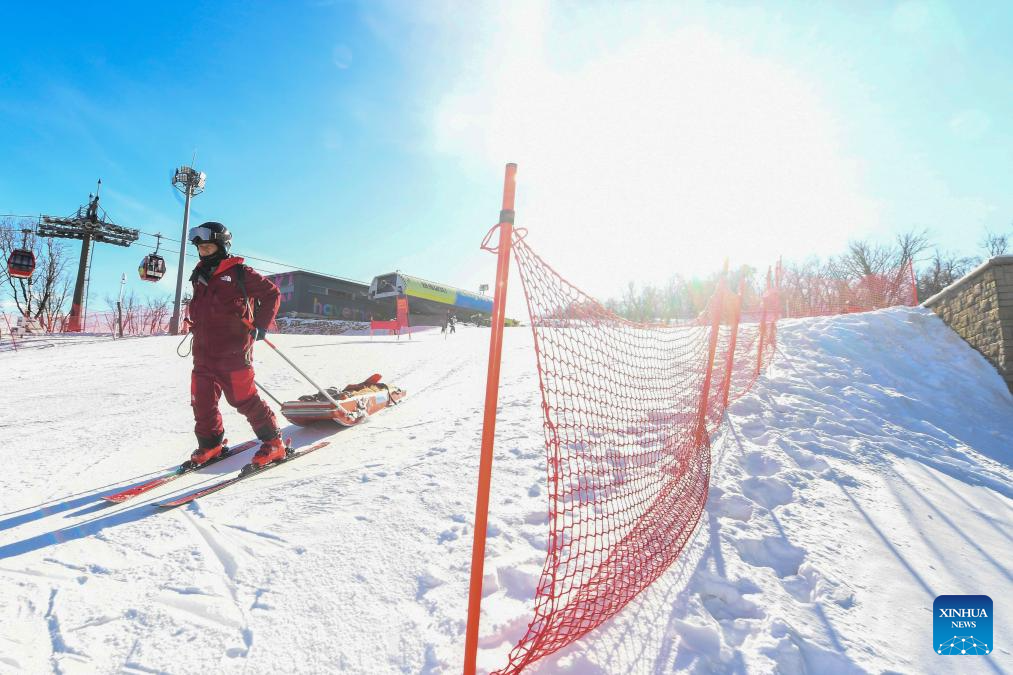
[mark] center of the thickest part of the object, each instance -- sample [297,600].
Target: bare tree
[44,297]
[812,287]
[679,298]
[55,282]
[909,246]
[942,270]
[157,311]
[752,286]
[995,244]
[676,302]
[865,259]
[867,276]
[133,321]
[632,307]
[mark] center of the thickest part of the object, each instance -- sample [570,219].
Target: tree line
[46,300]
[684,298]
[678,299]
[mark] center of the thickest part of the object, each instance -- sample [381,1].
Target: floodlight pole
[189,182]
[174,322]
[119,303]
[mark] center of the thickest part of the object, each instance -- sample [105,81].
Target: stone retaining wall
[979,307]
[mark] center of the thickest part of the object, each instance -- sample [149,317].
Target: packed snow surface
[866,473]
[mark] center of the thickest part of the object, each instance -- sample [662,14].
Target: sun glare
[655,155]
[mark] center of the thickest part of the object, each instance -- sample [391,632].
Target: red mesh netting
[814,295]
[136,321]
[628,409]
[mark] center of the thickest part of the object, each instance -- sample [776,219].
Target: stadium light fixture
[190,182]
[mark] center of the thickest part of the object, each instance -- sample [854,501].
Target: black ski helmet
[212,231]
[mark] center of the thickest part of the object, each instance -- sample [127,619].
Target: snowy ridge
[867,472]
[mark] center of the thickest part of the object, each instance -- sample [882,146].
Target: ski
[247,471]
[172,474]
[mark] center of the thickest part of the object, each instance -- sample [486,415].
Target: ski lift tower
[190,182]
[87,226]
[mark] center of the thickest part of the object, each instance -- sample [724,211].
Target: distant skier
[453,323]
[225,294]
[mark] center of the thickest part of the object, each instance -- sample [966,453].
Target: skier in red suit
[226,295]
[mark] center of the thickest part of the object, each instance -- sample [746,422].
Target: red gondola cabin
[152,268]
[21,264]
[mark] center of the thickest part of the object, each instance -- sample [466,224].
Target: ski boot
[205,455]
[271,451]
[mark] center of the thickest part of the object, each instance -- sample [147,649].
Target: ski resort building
[429,300]
[310,295]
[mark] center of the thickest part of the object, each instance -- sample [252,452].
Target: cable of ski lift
[160,236]
[196,257]
[275,262]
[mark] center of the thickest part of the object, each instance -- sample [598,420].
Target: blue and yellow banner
[428,290]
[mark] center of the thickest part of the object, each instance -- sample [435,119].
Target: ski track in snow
[867,472]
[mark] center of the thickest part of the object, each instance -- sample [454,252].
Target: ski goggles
[201,234]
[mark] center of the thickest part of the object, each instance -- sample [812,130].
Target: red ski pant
[207,387]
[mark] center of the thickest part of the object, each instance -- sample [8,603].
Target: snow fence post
[914,283]
[506,222]
[10,331]
[763,324]
[730,357]
[717,307]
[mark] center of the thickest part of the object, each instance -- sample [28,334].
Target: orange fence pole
[506,221]
[730,358]
[10,331]
[716,311]
[763,325]
[914,283]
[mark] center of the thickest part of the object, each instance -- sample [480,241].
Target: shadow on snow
[128,512]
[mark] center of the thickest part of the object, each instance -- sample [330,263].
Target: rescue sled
[355,403]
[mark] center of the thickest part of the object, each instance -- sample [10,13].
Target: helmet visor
[201,234]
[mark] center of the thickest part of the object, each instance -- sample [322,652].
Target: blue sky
[652,138]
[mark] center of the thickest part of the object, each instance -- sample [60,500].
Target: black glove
[258,333]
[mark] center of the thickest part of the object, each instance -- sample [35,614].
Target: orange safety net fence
[628,412]
[136,321]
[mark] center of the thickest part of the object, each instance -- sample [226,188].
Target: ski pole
[270,344]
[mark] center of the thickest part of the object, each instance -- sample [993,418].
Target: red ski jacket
[221,341]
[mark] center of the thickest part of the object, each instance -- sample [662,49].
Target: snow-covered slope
[866,473]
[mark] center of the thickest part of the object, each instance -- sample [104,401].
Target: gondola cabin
[152,267]
[21,264]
